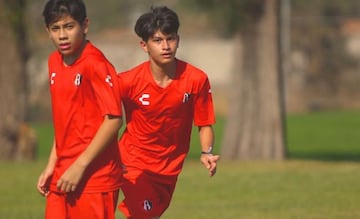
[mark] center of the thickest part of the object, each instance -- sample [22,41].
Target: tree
[255,125]
[17,139]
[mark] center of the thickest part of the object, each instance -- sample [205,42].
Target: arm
[42,184]
[72,176]
[207,138]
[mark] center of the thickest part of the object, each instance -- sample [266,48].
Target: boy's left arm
[207,139]
[105,134]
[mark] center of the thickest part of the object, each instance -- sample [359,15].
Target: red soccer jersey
[159,120]
[81,95]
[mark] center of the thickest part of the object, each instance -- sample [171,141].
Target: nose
[62,34]
[166,45]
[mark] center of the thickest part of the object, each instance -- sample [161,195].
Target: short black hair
[158,18]
[56,9]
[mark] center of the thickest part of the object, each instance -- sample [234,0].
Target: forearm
[105,134]
[207,138]
[52,157]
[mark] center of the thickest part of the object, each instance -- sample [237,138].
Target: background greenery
[319,180]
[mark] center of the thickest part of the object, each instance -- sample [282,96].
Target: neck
[163,74]
[70,59]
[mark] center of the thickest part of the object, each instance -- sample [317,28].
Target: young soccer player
[162,97]
[82,177]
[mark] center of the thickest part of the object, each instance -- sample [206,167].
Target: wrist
[208,151]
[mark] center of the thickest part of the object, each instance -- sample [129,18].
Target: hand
[209,161]
[43,182]
[70,179]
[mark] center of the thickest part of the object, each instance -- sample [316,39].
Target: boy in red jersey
[82,177]
[162,98]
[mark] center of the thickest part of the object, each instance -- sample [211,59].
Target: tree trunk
[255,124]
[17,139]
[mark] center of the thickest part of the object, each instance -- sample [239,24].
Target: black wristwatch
[208,152]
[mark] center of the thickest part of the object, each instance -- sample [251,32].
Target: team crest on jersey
[147,205]
[186,97]
[77,80]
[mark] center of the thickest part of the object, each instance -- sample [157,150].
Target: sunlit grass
[268,190]
[330,136]
[320,179]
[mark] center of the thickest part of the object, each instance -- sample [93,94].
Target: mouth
[167,55]
[64,46]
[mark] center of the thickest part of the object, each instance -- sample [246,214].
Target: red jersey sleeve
[105,86]
[203,106]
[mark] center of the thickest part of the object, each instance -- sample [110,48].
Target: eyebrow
[165,36]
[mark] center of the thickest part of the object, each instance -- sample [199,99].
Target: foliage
[324,44]
[15,11]
[349,8]
[229,16]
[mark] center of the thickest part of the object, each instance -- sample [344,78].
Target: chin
[167,61]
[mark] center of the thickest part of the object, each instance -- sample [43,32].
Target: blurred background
[285,78]
[265,60]
[272,57]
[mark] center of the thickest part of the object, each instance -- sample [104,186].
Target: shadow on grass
[327,156]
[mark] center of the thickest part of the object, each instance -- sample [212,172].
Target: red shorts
[85,205]
[145,196]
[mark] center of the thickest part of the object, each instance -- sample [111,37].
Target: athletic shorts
[145,196]
[84,205]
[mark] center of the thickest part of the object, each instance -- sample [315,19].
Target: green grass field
[320,179]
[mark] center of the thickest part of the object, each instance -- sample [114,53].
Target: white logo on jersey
[108,80]
[77,80]
[147,205]
[186,97]
[143,101]
[52,78]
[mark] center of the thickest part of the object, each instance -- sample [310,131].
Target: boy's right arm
[42,185]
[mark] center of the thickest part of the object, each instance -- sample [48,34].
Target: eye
[54,28]
[173,38]
[69,26]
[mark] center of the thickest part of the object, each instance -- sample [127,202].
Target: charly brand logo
[109,80]
[52,78]
[144,99]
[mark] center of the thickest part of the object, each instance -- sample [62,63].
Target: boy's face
[68,35]
[161,47]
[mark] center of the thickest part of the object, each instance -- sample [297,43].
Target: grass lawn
[320,179]
[327,136]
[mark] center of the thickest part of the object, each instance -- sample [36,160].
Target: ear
[48,31]
[85,26]
[143,46]
[178,41]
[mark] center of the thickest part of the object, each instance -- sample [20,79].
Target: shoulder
[96,59]
[54,61]
[131,79]
[55,55]
[93,54]
[134,73]
[191,72]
